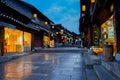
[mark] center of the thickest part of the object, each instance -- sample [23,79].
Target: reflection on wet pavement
[44,66]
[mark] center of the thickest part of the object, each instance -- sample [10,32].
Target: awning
[48,31]
[3,24]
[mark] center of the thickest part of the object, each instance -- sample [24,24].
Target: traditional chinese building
[103,21]
[22,27]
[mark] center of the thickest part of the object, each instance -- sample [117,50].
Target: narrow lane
[44,66]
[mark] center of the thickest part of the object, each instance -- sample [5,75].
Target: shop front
[16,40]
[108,33]
[46,41]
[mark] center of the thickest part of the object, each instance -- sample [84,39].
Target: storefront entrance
[46,40]
[108,33]
[27,41]
[16,40]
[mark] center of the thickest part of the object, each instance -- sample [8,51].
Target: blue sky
[65,12]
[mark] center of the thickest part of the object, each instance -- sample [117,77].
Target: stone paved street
[44,66]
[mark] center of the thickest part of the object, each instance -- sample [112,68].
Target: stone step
[91,75]
[5,59]
[88,62]
[91,60]
[60,51]
[104,74]
[8,57]
[113,67]
[95,59]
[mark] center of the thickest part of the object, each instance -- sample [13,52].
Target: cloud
[55,8]
[55,12]
[67,16]
[71,22]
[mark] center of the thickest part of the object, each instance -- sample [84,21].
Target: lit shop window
[13,40]
[27,39]
[46,41]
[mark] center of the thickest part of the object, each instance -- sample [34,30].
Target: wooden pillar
[117,22]
[1,41]
[32,42]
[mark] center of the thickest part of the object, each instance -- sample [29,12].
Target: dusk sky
[65,12]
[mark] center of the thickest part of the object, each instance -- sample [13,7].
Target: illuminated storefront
[108,33]
[16,40]
[27,41]
[46,40]
[52,42]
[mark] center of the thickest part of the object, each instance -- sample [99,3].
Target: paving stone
[45,66]
[61,77]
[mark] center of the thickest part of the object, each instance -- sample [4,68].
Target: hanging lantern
[46,22]
[61,31]
[53,27]
[111,8]
[52,35]
[56,32]
[92,1]
[83,7]
[35,15]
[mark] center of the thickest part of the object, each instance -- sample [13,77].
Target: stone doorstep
[103,74]
[113,67]
[95,59]
[5,58]
[88,62]
[10,57]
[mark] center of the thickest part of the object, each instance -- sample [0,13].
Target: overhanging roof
[102,10]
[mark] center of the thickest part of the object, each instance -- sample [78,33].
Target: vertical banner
[95,35]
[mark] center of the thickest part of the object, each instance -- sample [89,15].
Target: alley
[44,66]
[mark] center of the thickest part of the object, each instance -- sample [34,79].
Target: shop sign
[111,32]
